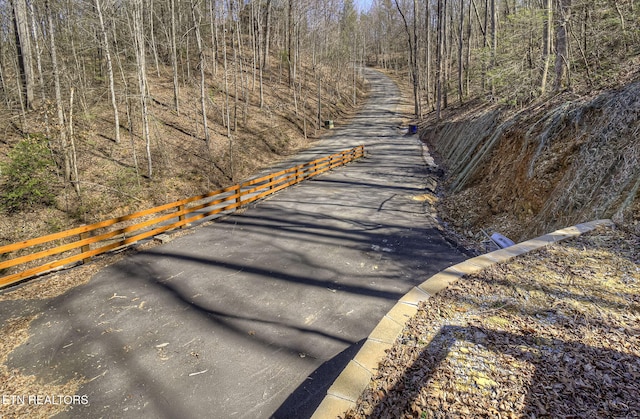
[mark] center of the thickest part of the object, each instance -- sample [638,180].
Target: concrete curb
[354,379]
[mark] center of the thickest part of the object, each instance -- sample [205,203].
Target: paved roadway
[255,315]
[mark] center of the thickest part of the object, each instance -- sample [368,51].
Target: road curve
[255,315]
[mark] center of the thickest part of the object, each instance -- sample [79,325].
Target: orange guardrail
[26,259]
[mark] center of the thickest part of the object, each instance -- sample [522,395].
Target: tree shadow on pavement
[302,402]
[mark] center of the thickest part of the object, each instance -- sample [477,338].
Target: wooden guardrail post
[181,217]
[86,247]
[237,190]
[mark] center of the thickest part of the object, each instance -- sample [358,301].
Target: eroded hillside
[552,164]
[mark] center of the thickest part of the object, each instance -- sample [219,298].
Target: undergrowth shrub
[27,175]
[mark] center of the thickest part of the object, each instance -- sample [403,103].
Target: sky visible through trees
[364,5]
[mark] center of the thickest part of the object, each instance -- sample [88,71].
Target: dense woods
[108,103]
[508,51]
[123,100]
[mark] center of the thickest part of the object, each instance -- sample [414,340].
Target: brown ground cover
[554,333]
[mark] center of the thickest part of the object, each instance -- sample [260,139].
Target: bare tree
[58,94]
[428,58]
[23,44]
[260,47]
[140,50]
[149,7]
[43,92]
[267,35]
[197,18]
[460,49]
[412,40]
[494,40]
[546,50]
[213,25]
[562,45]
[174,57]
[3,81]
[112,88]
[226,95]
[441,55]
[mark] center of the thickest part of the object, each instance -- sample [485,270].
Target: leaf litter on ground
[553,333]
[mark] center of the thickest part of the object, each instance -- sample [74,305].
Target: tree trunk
[439,54]
[58,94]
[112,89]
[235,68]
[3,82]
[174,58]
[445,57]
[139,41]
[467,65]
[267,35]
[562,53]
[75,181]
[460,49]
[260,47]
[214,35]
[226,94]
[290,43]
[494,41]
[546,50]
[239,69]
[253,32]
[129,120]
[484,45]
[197,18]
[23,44]
[413,61]
[43,93]
[427,25]
[152,36]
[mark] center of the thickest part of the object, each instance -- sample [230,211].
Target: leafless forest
[107,105]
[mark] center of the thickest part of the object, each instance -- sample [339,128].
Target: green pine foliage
[27,176]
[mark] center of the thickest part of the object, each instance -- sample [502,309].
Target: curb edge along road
[355,378]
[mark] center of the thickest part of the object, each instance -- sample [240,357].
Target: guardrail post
[238,198]
[271,180]
[86,247]
[182,216]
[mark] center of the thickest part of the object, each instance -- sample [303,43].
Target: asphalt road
[255,315]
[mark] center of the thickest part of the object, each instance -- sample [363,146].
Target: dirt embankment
[552,164]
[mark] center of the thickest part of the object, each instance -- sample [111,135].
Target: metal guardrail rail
[26,259]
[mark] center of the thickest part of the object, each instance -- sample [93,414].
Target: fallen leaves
[554,333]
[14,383]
